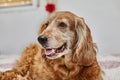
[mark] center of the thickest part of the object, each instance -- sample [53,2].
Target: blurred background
[19,27]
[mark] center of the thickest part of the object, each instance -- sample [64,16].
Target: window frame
[33,5]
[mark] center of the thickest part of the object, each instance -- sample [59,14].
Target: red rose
[50,7]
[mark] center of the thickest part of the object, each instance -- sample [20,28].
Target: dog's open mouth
[53,51]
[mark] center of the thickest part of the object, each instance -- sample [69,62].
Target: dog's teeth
[53,50]
[63,47]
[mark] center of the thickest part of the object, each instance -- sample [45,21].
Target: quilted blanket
[110,64]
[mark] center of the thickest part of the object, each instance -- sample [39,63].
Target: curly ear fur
[85,48]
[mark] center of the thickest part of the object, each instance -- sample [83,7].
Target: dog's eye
[46,24]
[62,24]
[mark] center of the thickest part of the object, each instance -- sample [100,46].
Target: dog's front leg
[14,75]
[8,75]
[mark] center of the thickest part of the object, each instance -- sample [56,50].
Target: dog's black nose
[42,39]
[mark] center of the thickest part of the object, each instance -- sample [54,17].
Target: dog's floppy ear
[85,48]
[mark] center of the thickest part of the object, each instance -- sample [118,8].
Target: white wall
[17,30]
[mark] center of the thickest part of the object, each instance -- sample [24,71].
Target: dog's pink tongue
[50,51]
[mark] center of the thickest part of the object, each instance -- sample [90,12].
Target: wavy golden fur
[66,52]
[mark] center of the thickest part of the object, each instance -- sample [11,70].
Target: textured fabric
[110,64]
[7,61]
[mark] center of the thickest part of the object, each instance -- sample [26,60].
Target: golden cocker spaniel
[66,52]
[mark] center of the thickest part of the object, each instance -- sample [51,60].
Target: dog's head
[62,33]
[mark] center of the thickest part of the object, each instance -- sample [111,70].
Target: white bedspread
[110,64]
